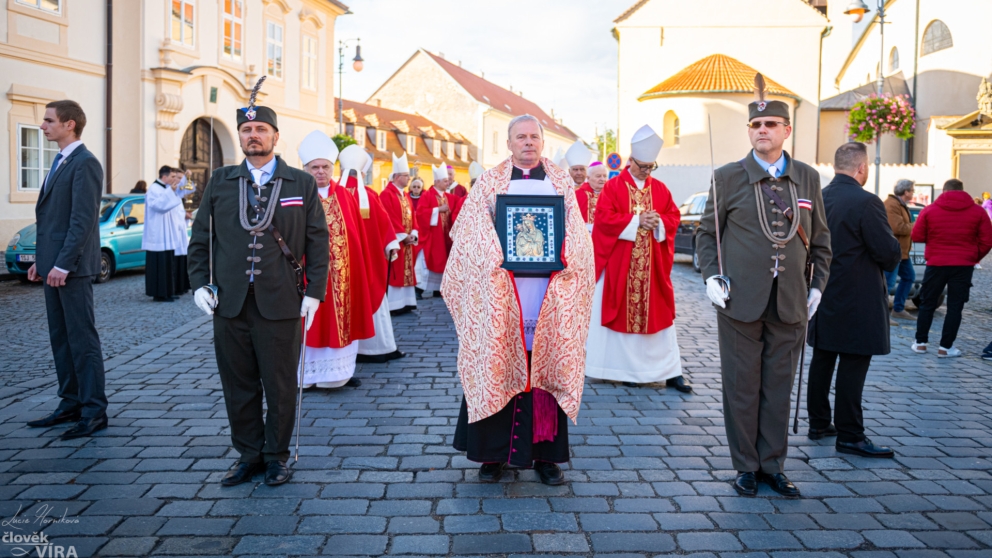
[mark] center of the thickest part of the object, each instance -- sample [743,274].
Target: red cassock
[637,288]
[587,198]
[458,191]
[379,233]
[399,208]
[459,202]
[435,240]
[346,313]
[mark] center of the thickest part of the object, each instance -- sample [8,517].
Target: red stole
[436,242]
[587,198]
[399,208]
[346,313]
[378,234]
[637,288]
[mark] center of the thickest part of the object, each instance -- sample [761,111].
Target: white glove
[718,295]
[813,301]
[309,309]
[205,300]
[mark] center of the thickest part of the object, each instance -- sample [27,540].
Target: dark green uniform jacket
[748,254]
[304,228]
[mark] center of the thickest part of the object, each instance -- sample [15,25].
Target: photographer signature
[42,517]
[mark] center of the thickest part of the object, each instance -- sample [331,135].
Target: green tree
[343,140]
[607,140]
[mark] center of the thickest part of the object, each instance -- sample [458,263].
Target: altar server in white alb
[632,334]
[164,238]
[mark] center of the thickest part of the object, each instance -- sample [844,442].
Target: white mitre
[317,146]
[440,172]
[645,145]
[559,158]
[475,170]
[400,165]
[578,155]
[354,158]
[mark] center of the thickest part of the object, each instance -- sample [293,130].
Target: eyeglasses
[770,124]
[644,166]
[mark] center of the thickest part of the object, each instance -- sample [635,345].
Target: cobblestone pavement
[649,474]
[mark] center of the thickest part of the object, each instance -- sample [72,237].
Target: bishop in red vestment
[454,188]
[434,217]
[588,194]
[345,316]
[401,290]
[632,334]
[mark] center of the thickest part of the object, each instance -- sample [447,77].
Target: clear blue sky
[560,53]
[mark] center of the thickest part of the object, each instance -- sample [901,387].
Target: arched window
[894,60]
[936,37]
[671,129]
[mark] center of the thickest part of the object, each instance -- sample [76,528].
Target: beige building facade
[181,68]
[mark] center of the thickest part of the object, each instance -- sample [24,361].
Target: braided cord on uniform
[763,218]
[270,211]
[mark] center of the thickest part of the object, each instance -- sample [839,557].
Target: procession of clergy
[526,344]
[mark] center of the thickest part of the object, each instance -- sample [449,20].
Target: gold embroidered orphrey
[530,240]
[338,279]
[406,209]
[639,274]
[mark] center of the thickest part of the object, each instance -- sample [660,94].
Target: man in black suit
[68,259]
[853,321]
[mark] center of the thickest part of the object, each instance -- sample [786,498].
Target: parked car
[122,221]
[685,235]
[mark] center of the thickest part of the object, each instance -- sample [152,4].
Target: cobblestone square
[649,474]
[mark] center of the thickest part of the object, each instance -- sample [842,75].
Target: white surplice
[383,342]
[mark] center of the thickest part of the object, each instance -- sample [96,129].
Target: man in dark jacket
[958,234]
[852,323]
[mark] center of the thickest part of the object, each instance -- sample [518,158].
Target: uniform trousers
[851,374]
[758,364]
[258,357]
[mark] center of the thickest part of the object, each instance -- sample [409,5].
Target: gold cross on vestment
[638,209]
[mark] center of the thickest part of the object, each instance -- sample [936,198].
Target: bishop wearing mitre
[577,158]
[588,194]
[434,215]
[401,288]
[380,239]
[521,339]
[475,170]
[632,335]
[345,316]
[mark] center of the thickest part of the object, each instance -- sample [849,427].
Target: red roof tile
[714,74]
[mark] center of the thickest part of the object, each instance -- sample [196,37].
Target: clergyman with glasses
[771,217]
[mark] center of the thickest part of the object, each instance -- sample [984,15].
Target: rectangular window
[464,152]
[35,155]
[411,144]
[309,62]
[273,40]
[183,21]
[495,142]
[359,136]
[50,6]
[380,140]
[233,22]
[450,150]
[436,148]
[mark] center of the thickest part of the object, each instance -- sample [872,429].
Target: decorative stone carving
[168,105]
[985,98]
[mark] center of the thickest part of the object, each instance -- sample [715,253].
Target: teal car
[122,221]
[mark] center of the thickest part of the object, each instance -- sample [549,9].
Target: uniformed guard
[266,219]
[771,219]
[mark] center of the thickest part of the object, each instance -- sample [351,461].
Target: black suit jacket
[854,313]
[67,213]
[304,228]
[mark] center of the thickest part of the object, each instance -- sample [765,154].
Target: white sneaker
[948,353]
[918,348]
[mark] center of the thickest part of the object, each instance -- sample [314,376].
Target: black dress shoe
[371,359]
[550,473]
[395,355]
[491,472]
[85,427]
[354,382]
[241,472]
[58,417]
[746,484]
[817,433]
[631,384]
[276,473]
[679,383]
[864,448]
[401,311]
[780,483]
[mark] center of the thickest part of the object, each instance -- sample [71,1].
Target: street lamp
[857,10]
[357,63]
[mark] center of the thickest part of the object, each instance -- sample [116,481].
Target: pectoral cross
[638,209]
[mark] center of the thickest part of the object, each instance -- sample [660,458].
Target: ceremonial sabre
[210,257]
[723,279]
[802,359]
[299,400]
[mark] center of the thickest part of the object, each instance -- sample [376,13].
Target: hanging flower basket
[876,115]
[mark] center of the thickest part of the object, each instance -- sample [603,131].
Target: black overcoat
[854,316]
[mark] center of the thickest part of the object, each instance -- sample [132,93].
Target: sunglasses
[770,124]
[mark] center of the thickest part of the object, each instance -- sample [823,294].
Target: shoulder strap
[297,268]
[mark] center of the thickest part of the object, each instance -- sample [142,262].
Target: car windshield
[107,206]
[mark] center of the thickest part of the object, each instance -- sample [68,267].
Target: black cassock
[508,436]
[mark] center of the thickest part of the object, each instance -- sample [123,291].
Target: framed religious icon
[531,231]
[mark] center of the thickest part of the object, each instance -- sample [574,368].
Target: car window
[684,208]
[134,208]
[699,205]
[107,206]
[914,212]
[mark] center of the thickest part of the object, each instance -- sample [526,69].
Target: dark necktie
[55,165]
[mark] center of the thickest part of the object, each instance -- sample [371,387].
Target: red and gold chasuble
[346,313]
[587,198]
[434,239]
[482,299]
[379,233]
[399,208]
[637,288]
